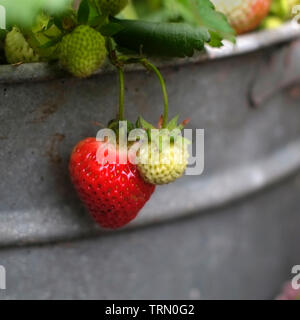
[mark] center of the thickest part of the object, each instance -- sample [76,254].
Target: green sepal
[114,125]
[142,123]
[173,124]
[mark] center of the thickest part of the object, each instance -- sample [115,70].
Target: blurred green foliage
[24,12]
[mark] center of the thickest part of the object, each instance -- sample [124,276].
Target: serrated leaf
[215,21]
[161,39]
[83,12]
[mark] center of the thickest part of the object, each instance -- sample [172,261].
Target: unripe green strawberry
[163,167]
[17,49]
[82,51]
[243,15]
[112,7]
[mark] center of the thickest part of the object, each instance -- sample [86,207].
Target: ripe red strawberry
[114,193]
[244,15]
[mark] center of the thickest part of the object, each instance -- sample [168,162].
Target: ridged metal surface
[247,104]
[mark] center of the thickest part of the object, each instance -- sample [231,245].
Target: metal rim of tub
[244,44]
[254,178]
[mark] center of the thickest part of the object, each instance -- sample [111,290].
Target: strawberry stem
[122,93]
[119,61]
[119,65]
[148,65]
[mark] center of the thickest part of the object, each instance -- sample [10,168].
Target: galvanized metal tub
[231,233]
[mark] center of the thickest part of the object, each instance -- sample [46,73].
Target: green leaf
[111,29]
[50,43]
[161,39]
[196,13]
[84,12]
[216,22]
[95,21]
[216,40]
[142,123]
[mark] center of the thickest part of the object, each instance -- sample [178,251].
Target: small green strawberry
[165,166]
[82,51]
[17,49]
[112,7]
[163,155]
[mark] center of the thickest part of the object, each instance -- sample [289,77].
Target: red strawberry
[114,193]
[243,15]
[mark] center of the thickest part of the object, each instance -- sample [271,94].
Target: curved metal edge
[257,40]
[229,187]
[245,44]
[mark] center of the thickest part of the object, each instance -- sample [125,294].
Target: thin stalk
[115,61]
[122,94]
[152,67]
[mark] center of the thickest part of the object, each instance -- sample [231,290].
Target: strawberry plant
[82,37]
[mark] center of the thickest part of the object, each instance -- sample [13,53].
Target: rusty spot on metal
[51,104]
[98,124]
[53,149]
[294,92]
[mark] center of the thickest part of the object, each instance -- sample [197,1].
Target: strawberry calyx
[170,134]
[116,125]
